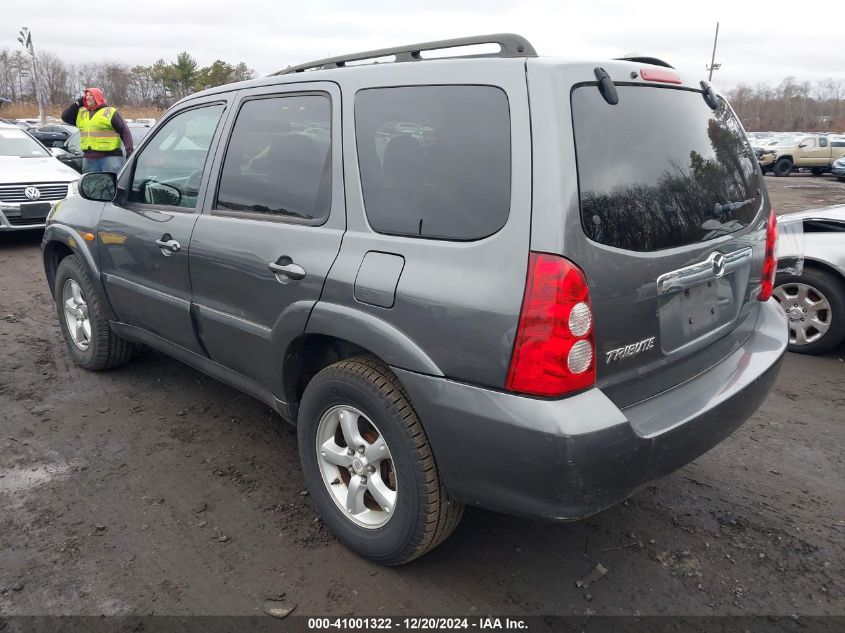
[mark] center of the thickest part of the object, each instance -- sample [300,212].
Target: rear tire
[372,409]
[782,168]
[89,338]
[818,285]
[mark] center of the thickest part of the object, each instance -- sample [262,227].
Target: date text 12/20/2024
[418,624]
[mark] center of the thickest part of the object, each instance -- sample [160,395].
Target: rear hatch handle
[715,266]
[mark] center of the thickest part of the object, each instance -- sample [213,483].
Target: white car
[814,300]
[32,180]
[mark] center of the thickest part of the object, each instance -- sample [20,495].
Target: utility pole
[713,66]
[25,39]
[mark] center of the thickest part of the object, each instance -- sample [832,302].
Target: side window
[822,142]
[808,143]
[278,162]
[169,169]
[435,161]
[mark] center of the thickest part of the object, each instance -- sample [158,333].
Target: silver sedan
[814,300]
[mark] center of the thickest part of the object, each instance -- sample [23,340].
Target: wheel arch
[59,242]
[335,332]
[826,267]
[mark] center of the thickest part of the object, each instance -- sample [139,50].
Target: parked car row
[70,153]
[37,173]
[50,134]
[32,181]
[782,154]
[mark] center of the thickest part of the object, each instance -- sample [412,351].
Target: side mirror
[99,186]
[58,152]
[803,145]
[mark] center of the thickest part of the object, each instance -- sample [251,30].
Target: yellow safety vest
[96,132]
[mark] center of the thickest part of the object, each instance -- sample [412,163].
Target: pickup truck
[817,153]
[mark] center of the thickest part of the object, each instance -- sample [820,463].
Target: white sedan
[32,180]
[814,300]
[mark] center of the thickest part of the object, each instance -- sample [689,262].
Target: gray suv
[521,283]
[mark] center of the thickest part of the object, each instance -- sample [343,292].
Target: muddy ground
[156,490]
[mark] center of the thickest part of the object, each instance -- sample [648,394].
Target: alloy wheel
[807,309]
[356,466]
[77,317]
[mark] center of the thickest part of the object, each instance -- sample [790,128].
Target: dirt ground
[156,490]
[804,191]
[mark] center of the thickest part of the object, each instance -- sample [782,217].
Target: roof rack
[512,45]
[645,60]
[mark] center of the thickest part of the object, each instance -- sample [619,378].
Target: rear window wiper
[606,87]
[721,210]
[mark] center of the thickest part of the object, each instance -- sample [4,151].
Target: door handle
[167,243]
[288,268]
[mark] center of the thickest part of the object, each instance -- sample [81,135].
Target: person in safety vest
[101,128]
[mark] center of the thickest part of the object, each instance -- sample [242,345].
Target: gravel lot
[156,490]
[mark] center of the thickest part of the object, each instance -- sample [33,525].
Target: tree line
[791,106]
[159,84]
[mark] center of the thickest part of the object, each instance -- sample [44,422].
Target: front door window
[169,169]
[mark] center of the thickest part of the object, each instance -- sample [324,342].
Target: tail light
[554,351]
[770,263]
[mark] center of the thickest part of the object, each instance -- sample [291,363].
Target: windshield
[16,142]
[660,169]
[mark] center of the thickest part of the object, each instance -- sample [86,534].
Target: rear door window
[435,160]
[278,163]
[661,169]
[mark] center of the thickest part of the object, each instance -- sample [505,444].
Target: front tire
[783,167]
[89,338]
[814,303]
[368,465]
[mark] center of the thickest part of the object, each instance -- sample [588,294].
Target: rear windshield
[661,169]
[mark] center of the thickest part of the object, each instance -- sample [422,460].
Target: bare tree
[792,105]
[55,79]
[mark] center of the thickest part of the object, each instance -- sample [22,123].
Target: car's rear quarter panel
[459,302]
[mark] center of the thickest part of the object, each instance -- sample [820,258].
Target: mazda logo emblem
[718,264]
[32,193]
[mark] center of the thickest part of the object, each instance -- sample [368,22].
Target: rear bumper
[567,459]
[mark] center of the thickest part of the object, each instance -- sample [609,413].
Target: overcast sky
[758,41]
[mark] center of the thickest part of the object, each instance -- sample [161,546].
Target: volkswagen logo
[718,264]
[32,193]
